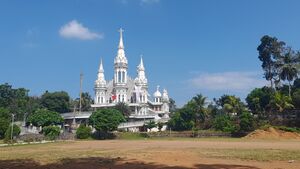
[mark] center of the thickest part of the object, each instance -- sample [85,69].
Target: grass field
[135,152]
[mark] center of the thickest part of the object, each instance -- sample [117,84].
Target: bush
[51,132]
[15,133]
[247,122]
[83,132]
[4,124]
[224,123]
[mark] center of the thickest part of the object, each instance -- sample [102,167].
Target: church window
[123,76]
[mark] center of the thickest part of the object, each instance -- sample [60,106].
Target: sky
[188,46]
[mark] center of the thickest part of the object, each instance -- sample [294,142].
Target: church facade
[131,91]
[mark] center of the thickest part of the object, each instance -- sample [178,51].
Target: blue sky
[188,47]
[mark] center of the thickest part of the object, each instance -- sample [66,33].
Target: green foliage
[123,108]
[160,125]
[83,132]
[269,50]
[56,101]
[296,98]
[15,100]
[51,132]
[258,99]
[181,120]
[106,120]
[231,104]
[224,123]
[151,124]
[86,101]
[279,102]
[44,117]
[4,123]
[289,129]
[16,131]
[246,122]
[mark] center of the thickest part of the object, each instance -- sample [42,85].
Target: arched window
[119,76]
[123,76]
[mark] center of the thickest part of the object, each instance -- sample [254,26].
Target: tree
[106,120]
[246,122]
[16,131]
[123,108]
[44,117]
[151,124]
[56,101]
[4,121]
[200,112]
[15,100]
[258,100]
[182,120]
[172,105]
[231,104]
[279,103]
[269,50]
[287,65]
[296,98]
[86,101]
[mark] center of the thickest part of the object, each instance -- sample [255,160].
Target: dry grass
[180,152]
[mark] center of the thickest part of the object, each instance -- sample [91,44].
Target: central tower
[120,74]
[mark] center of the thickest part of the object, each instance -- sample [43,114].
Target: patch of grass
[289,129]
[131,136]
[253,154]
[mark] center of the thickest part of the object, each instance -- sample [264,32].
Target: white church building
[131,91]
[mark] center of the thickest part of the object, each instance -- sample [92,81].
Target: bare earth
[189,153]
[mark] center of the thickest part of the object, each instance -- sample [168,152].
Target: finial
[101,66]
[121,46]
[157,87]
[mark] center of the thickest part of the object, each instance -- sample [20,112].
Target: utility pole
[80,95]
[12,126]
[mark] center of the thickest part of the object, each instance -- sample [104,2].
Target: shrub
[83,132]
[16,132]
[51,132]
[247,122]
[4,124]
[224,123]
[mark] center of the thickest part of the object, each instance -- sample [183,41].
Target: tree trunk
[290,88]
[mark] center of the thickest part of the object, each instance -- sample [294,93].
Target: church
[125,89]
[131,91]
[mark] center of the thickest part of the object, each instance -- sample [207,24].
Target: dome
[157,93]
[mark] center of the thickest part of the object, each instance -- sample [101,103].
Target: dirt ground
[146,154]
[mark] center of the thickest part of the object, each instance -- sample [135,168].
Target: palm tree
[123,108]
[199,101]
[287,65]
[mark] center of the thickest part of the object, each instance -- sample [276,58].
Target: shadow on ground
[105,163]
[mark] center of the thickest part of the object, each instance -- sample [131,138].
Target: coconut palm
[287,65]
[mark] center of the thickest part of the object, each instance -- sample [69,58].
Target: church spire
[100,82]
[121,45]
[101,70]
[121,58]
[141,66]
[141,76]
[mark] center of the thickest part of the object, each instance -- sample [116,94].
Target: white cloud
[76,30]
[228,81]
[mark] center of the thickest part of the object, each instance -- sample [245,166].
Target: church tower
[120,74]
[142,83]
[100,86]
